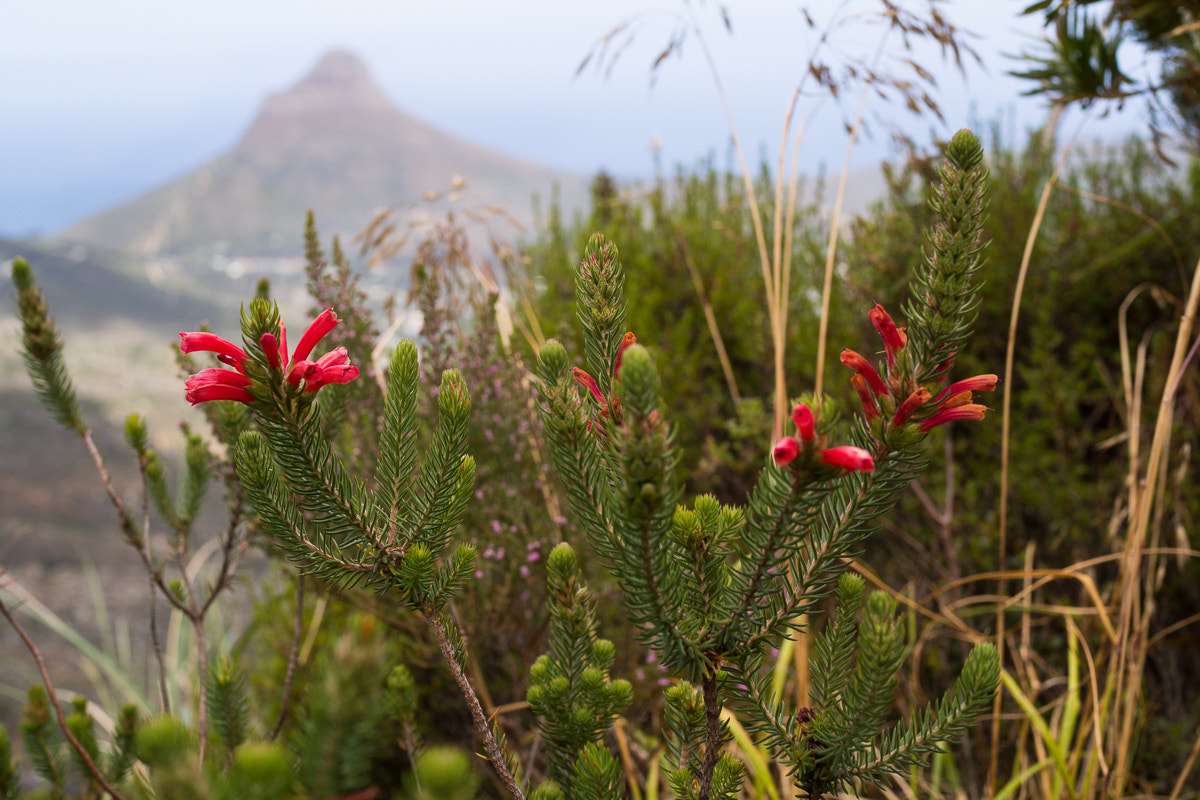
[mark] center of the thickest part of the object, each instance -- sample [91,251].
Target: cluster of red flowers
[224,384]
[788,449]
[903,401]
[585,380]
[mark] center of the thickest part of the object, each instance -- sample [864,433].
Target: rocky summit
[333,143]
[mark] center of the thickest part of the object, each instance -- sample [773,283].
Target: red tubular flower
[333,367]
[979,383]
[894,338]
[851,459]
[968,411]
[870,407]
[863,367]
[217,384]
[626,340]
[283,351]
[785,451]
[802,415]
[914,401]
[955,400]
[588,382]
[270,348]
[323,324]
[227,352]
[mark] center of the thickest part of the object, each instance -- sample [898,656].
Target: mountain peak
[338,85]
[339,68]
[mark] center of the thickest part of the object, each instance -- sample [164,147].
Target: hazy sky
[100,102]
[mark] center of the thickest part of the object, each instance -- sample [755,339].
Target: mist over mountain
[333,143]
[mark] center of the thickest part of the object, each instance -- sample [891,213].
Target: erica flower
[219,384]
[585,380]
[910,401]
[626,341]
[227,352]
[894,338]
[980,383]
[333,367]
[914,401]
[851,459]
[802,415]
[785,451]
[808,448]
[323,324]
[966,411]
[863,367]
[870,407]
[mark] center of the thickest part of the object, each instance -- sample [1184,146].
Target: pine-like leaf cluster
[570,689]
[946,291]
[42,349]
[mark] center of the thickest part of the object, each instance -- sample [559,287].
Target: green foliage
[444,773]
[843,739]
[10,778]
[122,753]
[164,740]
[379,500]
[946,295]
[1068,402]
[290,470]
[42,350]
[82,726]
[227,704]
[337,738]
[687,245]
[570,689]
[43,741]
[259,771]
[1081,64]
[711,588]
[1080,60]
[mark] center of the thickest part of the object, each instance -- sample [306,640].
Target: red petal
[323,324]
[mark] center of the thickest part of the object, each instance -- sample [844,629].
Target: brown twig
[58,712]
[712,744]
[472,663]
[290,675]
[495,754]
[164,695]
[196,618]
